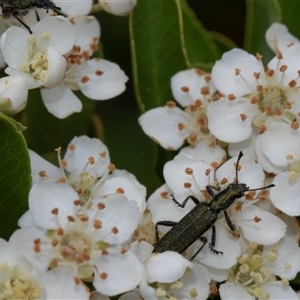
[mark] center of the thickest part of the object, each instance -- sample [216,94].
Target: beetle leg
[196,201]
[163,223]
[230,224]
[213,241]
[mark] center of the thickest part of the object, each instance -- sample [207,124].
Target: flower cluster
[89,232]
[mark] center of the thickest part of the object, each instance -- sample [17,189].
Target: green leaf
[156,48]
[260,15]
[46,132]
[290,15]
[15,175]
[202,51]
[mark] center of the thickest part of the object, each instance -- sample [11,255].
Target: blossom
[253,98]
[171,126]
[98,79]
[20,279]
[68,7]
[169,275]
[185,176]
[13,94]
[86,167]
[76,243]
[38,57]
[254,276]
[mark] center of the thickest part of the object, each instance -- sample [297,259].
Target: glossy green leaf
[200,46]
[15,175]
[260,15]
[156,47]
[290,15]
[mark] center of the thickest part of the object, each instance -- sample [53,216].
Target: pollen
[43,173]
[85,79]
[98,72]
[231,97]
[207,172]
[256,75]
[237,71]
[103,275]
[292,83]
[224,180]
[55,211]
[283,68]
[187,185]
[115,230]
[164,195]
[111,167]
[91,160]
[97,224]
[205,90]
[189,171]
[63,163]
[171,104]
[100,205]
[120,190]
[185,89]
[181,126]
[256,219]
[243,117]
[294,125]
[75,247]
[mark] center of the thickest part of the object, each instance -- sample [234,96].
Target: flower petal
[61,101]
[101,79]
[162,125]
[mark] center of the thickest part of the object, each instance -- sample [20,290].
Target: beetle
[19,8]
[201,218]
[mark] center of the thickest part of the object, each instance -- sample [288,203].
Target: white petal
[279,142]
[231,291]
[285,194]
[101,79]
[197,281]
[117,272]
[287,264]
[61,34]
[119,218]
[22,240]
[224,73]
[26,220]
[13,94]
[85,147]
[56,69]
[206,151]
[133,190]
[225,119]
[290,58]
[163,208]
[47,195]
[277,291]
[260,226]
[61,101]
[166,267]
[60,284]
[161,124]
[39,164]
[176,176]
[225,243]
[14,46]
[68,7]
[194,80]
[278,38]
[142,250]
[119,8]
[88,32]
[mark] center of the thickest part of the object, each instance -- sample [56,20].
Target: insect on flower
[201,218]
[21,8]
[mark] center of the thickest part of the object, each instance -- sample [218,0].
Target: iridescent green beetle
[19,8]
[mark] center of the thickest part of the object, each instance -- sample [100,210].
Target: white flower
[86,167]
[254,276]
[185,176]
[253,98]
[76,243]
[171,126]
[13,94]
[38,57]
[98,79]
[169,275]
[19,278]
[119,8]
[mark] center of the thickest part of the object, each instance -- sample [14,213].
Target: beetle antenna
[262,188]
[237,166]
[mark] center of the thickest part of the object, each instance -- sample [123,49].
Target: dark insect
[201,218]
[19,8]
